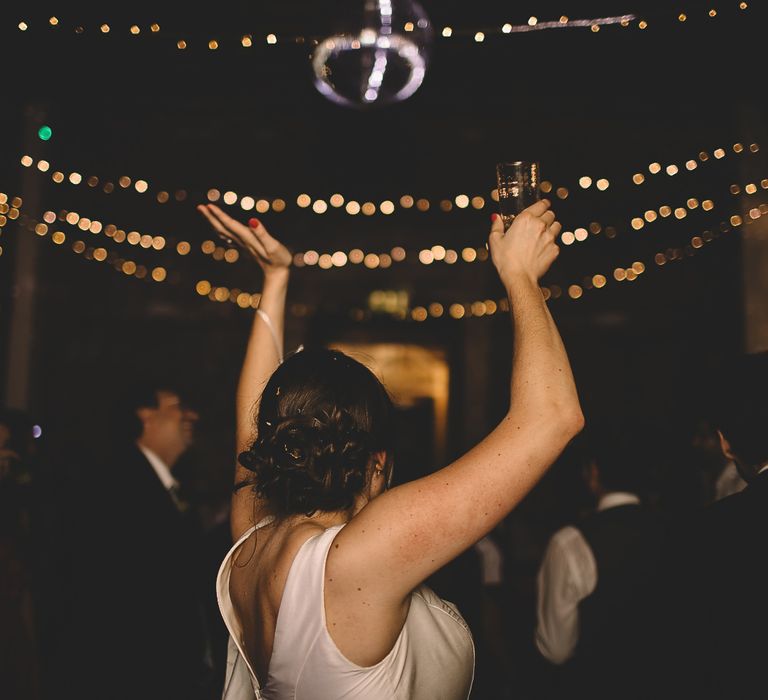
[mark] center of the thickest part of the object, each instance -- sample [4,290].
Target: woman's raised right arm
[401,537]
[264,350]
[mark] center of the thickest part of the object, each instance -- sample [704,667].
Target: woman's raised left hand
[271,255]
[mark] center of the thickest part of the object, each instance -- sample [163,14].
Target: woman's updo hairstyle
[322,416]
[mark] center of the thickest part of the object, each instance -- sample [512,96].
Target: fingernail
[253,222]
[494,217]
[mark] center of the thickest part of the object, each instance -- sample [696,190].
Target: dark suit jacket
[138,630]
[717,607]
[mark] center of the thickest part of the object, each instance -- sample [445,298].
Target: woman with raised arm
[323,590]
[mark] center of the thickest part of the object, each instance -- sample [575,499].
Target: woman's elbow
[571,421]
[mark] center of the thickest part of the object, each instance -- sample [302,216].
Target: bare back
[259,572]
[363,627]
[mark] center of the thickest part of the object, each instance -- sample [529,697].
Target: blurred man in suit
[716,606]
[138,611]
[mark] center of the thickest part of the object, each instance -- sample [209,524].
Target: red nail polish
[494,217]
[254,222]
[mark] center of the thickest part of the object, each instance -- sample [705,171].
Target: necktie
[180,503]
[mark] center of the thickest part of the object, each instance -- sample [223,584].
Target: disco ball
[380,56]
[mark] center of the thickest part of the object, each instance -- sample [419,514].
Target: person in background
[138,613]
[19,654]
[593,582]
[715,608]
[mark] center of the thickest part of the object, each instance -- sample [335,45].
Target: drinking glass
[518,187]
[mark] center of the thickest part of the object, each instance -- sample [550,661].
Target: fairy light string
[250,39]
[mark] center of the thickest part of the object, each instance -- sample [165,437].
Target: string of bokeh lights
[353,207]
[477,34]
[391,301]
[435,309]
[373,260]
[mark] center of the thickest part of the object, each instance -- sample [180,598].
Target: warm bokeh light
[436,310]
[339,258]
[438,252]
[398,254]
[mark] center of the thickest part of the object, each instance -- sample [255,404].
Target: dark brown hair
[321,418]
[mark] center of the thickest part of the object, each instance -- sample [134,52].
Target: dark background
[602,104]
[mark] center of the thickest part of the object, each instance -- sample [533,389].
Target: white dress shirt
[161,468]
[729,481]
[567,575]
[491,560]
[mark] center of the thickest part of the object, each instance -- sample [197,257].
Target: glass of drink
[518,187]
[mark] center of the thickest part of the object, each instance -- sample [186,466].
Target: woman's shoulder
[296,536]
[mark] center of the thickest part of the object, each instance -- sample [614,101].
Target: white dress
[432,658]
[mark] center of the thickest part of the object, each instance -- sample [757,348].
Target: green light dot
[45,132]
